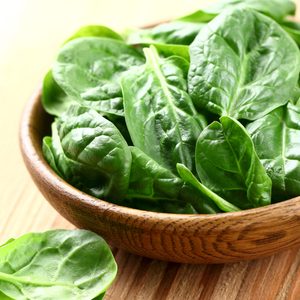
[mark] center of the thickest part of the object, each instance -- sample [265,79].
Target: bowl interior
[218,238]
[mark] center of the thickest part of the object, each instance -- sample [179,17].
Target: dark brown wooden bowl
[219,238]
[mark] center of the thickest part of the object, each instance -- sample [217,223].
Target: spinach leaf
[149,180]
[163,206]
[96,31]
[243,65]
[181,33]
[189,177]
[159,113]
[90,153]
[227,164]
[4,297]
[89,68]
[167,50]
[179,208]
[50,153]
[159,186]
[55,101]
[293,29]
[276,137]
[276,9]
[57,264]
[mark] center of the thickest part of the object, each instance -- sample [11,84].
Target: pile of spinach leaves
[198,115]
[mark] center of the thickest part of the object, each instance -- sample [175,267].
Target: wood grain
[26,53]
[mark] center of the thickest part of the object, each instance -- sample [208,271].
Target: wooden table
[31,32]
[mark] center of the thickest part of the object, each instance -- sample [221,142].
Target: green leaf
[276,9]
[159,113]
[58,264]
[50,154]
[163,206]
[179,33]
[276,137]
[7,242]
[159,186]
[89,68]
[4,297]
[293,29]
[178,208]
[95,31]
[55,101]
[243,65]
[90,153]
[100,297]
[149,180]
[188,177]
[167,50]
[227,164]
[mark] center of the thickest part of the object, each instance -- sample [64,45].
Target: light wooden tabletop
[31,32]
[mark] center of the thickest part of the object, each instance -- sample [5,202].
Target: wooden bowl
[219,238]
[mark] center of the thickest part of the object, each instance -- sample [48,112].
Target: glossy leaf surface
[157,185]
[243,65]
[189,177]
[293,29]
[227,164]
[58,264]
[276,137]
[159,113]
[90,153]
[89,68]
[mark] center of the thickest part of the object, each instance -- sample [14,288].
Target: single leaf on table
[159,113]
[276,138]
[276,9]
[243,65]
[57,264]
[151,183]
[89,68]
[179,33]
[90,153]
[190,178]
[96,31]
[227,164]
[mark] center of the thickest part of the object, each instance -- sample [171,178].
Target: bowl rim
[34,155]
